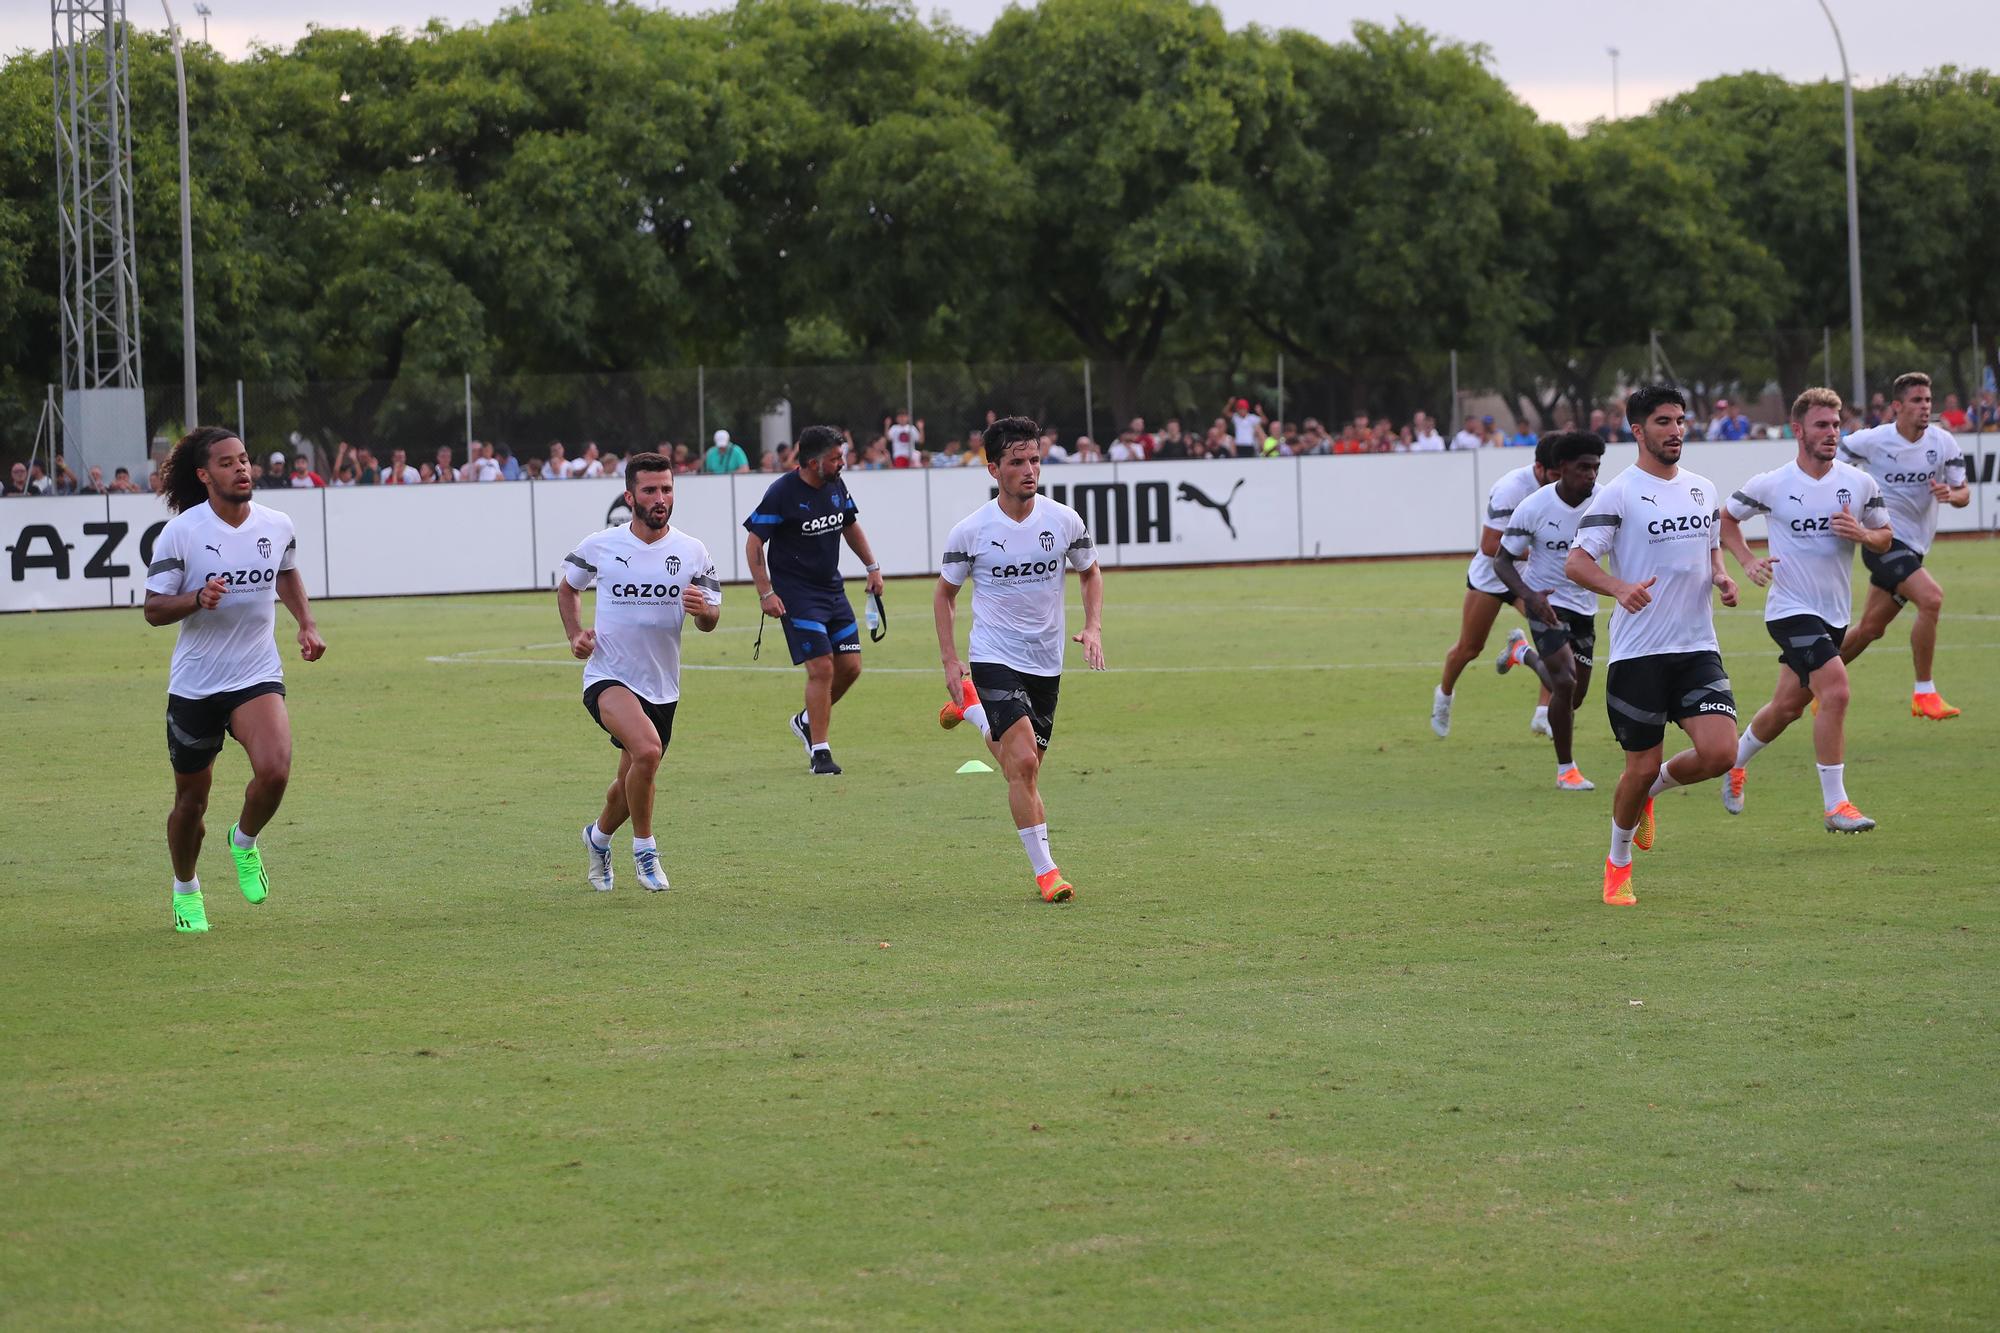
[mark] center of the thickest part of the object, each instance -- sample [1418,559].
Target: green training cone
[974,766]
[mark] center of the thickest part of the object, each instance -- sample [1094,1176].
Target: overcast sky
[1552,52]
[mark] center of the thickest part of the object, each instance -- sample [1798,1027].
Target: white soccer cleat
[599,873]
[1538,725]
[1440,712]
[1511,655]
[1732,791]
[1574,781]
[651,878]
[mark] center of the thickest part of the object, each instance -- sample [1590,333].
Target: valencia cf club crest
[1845,496]
[1695,493]
[1048,541]
[264,547]
[1930,456]
[673,564]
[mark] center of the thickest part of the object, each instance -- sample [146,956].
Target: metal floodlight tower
[104,409]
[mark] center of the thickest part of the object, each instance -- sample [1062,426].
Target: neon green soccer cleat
[250,876]
[190,917]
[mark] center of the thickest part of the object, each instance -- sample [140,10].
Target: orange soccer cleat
[1618,885]
[1732,791]
[1055,889]
[1932,706]
[1844,818]
[1572,780]
[1642,836]
[951,715]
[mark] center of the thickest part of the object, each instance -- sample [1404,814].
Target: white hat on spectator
[277,459]
[721,438]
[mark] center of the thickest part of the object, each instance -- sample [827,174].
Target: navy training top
[801,526]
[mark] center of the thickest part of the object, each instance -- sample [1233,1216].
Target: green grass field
[1336,1034]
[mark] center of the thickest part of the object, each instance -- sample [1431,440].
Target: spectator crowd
[1242,430]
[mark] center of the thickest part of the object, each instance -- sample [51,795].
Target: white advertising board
[91,551]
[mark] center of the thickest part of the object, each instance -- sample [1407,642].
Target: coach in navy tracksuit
[802,520]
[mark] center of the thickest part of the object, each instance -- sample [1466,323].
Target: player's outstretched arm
[1092,634]
[292,592]
[944,611]
[1585,572]
[1509,574]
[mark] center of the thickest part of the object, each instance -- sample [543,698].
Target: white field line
[480,657]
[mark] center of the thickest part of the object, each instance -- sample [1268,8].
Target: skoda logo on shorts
[264,547]
[1844,495]
[1695,493]
[1048,541]
[673,564]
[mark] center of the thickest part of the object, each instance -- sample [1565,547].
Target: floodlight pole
[1614,80]
[187,230]
[1853,218]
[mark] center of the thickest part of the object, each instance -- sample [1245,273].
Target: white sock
[1747,746]
[643,845]
[1541,712]
[1832,783]
[1926,687]
[598,837]
[1663,782]
[1441,696]
[241,839]
[1565,768]
[976,715]
[1621,844]
[821,747]
[1035,841]
[188,886]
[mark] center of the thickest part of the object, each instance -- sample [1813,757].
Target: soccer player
[802,520]
[1014,548]
[219,569]
[1816,510]
[1660,524]
[651,579]
[1917,465]
[1485,594]
[1562,615]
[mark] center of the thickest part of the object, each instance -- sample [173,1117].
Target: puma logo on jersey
[623,561]
[1796,499]
[1650,500]
[1001,545]
[206,547]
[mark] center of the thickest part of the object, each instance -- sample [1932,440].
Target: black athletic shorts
[1643,694]
[1504,598]
[1888,570]
[1805,643]
[660,715]
[1574,628]
[195,727]
[1009,695]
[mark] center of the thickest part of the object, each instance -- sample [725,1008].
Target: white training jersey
[1814,574]
[233,646]
[639,611]
[1663,530]
[1017,580]
[1244,427]
[1508,492]
[1544,528]
[903,441]
[1904,470]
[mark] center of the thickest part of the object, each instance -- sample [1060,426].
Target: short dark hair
[817,440]
[1642,401]
[1568,445]
[1009,431]
[647,462]
[1911,380]
[122,472]
[1545,451]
